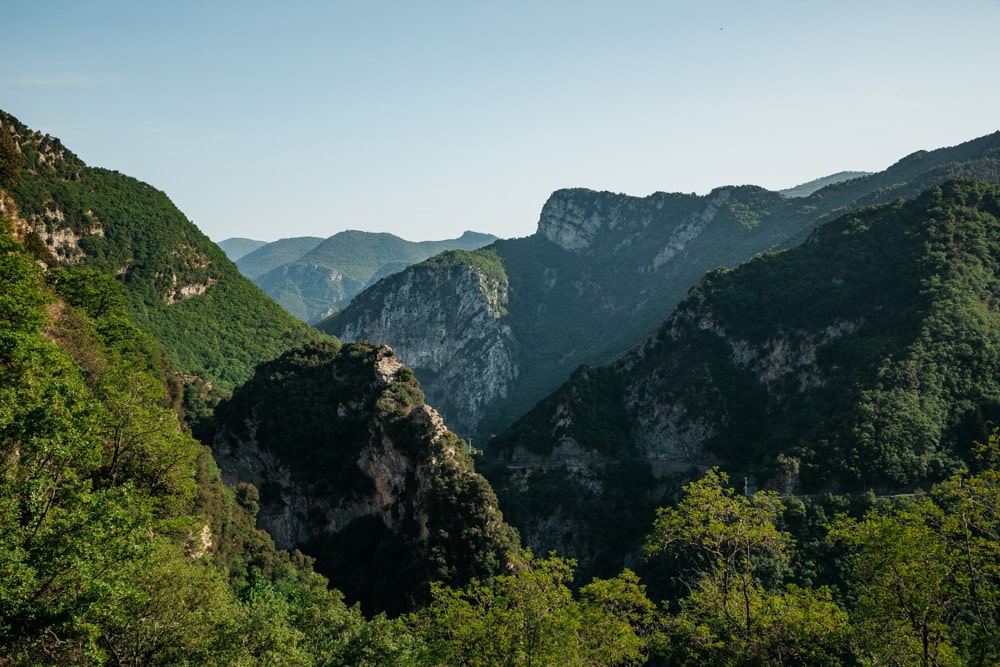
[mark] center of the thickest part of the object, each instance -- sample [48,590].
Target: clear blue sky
[270,120]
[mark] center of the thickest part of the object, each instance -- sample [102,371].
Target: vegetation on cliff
[349,426]
[864,359]
[120,544]
[605,270]
[312,278]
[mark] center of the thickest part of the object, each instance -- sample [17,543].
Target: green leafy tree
[971,522]
[617,621]
[926,573]
[164,609]
[142,442]
[906,586]
[63,539]
[98,294]
[730,556]
[717,533]
[532,618]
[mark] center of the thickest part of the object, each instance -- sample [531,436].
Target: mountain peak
[567,221]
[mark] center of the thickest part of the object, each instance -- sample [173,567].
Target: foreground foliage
[531,617]
[866,358]
[918,584]
[120,545]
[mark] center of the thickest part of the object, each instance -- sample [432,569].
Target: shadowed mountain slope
[602,272]
[867,358]
[354,469]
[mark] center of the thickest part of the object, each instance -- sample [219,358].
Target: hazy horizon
[428,120]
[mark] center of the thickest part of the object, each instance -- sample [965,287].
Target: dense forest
[864,359]
[122,545]
[112,223]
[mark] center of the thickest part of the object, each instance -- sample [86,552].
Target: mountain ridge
[238,246]
[601,272]
[313,280]
[862,359]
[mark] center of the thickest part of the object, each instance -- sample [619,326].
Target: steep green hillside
[867,358]
[122,245]
[329,275]
[601,273]
[179,286]
[118,542]
[237,247]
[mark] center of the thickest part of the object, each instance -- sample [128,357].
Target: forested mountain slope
[602,271]
[110,244]
[119,543]
[326,275]
[179,286]
[867,358]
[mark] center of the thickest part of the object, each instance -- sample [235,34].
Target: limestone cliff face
[449,325]
[296,513]
[348,460]
[673,422]
[818,369]
[602,271]
[586,222]
[566,222]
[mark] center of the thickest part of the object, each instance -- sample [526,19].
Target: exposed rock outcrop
[314,278]
[447,324]
[815,370]
[348,459]
[602,272]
